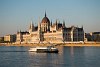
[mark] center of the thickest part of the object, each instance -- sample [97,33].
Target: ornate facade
[73,34]
[48,32]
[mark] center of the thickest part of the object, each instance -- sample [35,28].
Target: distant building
[48,32]
[93,36]
[22,36]
[1,39]
[96,36]
[10,38]
[88,37]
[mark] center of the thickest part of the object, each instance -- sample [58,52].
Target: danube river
[67,57]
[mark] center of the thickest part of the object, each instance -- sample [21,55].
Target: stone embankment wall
[57,44]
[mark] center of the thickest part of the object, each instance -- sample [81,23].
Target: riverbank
[59,44]
[82,45]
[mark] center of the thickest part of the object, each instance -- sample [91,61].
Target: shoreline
[59,44]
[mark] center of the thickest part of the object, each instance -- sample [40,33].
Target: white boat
[48,49]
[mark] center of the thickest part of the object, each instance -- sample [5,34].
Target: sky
[17,15]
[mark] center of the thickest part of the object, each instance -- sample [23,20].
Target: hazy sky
[17,14]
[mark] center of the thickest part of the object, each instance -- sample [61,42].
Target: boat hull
[46,51]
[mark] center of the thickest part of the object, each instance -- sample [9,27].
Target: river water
[67,57]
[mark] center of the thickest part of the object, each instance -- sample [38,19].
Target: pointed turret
[56,22]
[31,28]
[51,22]
[63,24]
[39,26]
[56,25]
[45,13]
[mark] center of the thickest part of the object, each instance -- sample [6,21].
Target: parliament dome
[45,19]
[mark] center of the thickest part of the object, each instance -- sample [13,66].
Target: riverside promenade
[56,44]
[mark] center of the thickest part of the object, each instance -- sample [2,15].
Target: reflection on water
[67,57]
[44,59]
[72,51]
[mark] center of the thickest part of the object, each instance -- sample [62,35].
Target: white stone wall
[53,37]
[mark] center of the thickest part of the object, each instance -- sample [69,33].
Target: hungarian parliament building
[46,31]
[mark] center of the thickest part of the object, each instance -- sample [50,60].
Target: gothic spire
[45,13]
[63,23]
[31,25]
[51,22]
[56,21]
